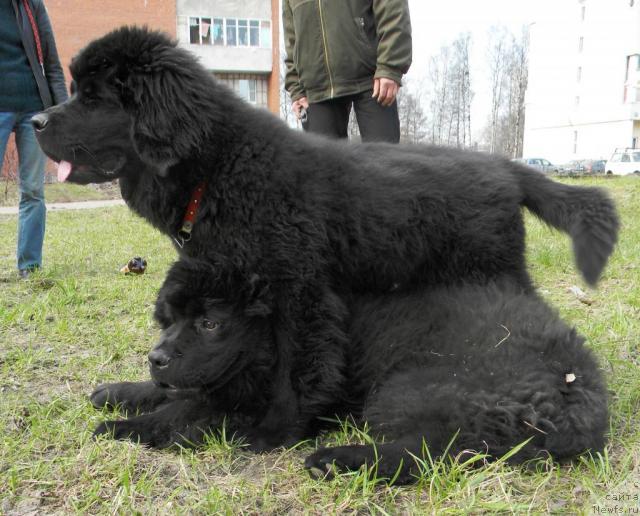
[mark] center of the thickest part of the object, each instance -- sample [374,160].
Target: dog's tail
[587,214]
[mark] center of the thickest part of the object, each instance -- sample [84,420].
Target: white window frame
[260,25]
[200,35]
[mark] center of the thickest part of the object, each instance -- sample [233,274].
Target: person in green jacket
[343,54]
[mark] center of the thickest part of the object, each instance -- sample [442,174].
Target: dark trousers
[376,123]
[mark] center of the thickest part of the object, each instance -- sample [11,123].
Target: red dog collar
[184,234]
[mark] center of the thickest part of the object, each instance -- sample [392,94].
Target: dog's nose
[40,121]
[159,358]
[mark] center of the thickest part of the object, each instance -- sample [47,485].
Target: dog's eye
[209,325]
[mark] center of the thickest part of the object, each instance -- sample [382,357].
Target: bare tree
[450,94]
[497,57]
[286,112]
[508,73]
[411,114]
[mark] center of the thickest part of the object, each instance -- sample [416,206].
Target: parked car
[573,168]
[540,164]
[583,167]
[624,162]
[595,166]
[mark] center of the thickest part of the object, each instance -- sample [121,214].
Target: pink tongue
[64,169]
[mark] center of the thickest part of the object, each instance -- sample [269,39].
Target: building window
[251,87]
[194,31]
[247,88]
[579,75]
[575,142]
[231,32]
[254,33]
[199,31]
[205,31]
[582,12]
[265,34]
[243,33]
[580,44]
[577,100]
[218,31]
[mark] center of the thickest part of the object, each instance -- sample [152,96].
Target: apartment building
[237,41]
[583,97]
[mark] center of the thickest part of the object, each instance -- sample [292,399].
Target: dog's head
[136,99]
[210,334]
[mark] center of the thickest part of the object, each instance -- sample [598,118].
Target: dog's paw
[100,396]
[325,462]
[129,397]
[110,395]
[262,441]
[123,430]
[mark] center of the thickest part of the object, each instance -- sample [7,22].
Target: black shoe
[25,273]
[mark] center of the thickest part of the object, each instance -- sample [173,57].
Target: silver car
[543,165]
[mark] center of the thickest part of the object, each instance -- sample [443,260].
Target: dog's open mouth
[79,173]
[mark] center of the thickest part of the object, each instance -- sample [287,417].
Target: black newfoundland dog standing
[487,367]
[310,217]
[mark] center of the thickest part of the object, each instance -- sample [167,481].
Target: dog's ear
[162,312]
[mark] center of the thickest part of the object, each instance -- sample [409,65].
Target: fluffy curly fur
[308,216]
[492,364]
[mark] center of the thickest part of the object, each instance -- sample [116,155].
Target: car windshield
[636,156]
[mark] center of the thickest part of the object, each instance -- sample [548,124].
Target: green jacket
[337,47]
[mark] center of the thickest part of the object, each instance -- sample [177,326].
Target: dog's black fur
[307,215]
[490,362]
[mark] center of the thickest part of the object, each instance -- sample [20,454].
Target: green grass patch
[80,322]
[61,192]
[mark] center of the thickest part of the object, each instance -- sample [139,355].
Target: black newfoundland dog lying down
[492,364]
[239,189]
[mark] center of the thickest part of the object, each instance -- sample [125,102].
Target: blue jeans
[32,212]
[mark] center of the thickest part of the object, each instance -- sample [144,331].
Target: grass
[79,323]
[60,192]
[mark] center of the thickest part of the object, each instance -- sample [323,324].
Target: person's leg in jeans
[32,211]
[376,123]
[330,117]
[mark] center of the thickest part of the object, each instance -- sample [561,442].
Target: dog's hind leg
[394,461]
[131,397]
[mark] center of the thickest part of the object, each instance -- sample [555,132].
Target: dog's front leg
[309,380]
[131,397]
[184,422]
